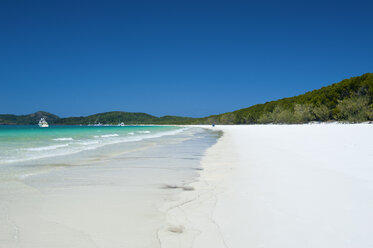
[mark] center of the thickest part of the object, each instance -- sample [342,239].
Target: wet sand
[114,199]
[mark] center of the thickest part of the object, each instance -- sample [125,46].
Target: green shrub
[303,113]
[355,109]
[322,113]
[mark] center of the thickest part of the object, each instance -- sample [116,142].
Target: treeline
[347,101]
[112,118]
[355,109]
[117,117]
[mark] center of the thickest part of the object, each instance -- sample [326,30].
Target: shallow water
[24,143]
[109,196]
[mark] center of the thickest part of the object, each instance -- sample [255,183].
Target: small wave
[143,131]
[45,148]
[88,142]
[109,135]
[89,145]
[131,133]
[63,139]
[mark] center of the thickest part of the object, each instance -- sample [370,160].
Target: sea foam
[63,139]
[110,135]
[89,142]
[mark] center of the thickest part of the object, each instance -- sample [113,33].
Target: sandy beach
[186,124]
[281,186]
[257,186]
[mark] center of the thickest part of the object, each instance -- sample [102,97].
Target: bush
[278,116]
[303,113]
[355,109]
[322,113]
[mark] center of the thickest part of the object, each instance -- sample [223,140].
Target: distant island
[350,100]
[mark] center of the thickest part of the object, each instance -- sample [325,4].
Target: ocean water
[25,143]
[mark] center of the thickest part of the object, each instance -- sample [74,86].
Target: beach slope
[284,186]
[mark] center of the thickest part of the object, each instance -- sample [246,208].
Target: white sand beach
[259,186]
[280,186]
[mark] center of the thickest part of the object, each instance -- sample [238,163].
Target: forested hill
[125,117]
[349,100]
[30,119]
[103,118]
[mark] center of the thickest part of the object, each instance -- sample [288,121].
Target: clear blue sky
[189,58]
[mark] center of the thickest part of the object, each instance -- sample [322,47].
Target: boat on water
[43,123]
[121,124]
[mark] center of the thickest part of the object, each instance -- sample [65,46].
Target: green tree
[303,113]
[322,113]
[355,109]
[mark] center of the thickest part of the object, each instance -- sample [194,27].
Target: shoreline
[109,199]
[190,219]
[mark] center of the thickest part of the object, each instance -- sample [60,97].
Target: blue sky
[189,58]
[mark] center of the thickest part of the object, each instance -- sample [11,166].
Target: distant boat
[121,124]
[43,123]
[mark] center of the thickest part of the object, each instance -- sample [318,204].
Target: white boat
[121,124]
[43,123]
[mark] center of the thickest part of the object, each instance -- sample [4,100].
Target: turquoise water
[25,143]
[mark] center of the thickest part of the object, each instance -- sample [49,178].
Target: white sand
[280,186]
[261,186]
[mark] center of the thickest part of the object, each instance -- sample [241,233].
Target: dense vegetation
[350,100]
[27,119]
[117,117]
